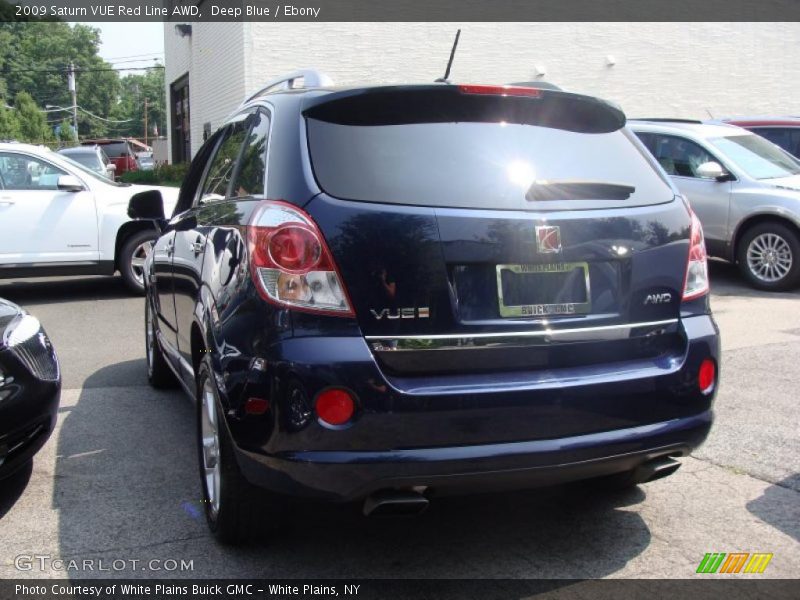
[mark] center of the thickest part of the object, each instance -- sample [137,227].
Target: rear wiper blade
[578,190]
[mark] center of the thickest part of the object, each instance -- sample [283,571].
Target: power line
[77,70]
[133,56]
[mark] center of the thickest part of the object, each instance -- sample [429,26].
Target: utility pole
[73,88]
[145,122]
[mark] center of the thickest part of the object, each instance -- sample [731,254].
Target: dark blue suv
[384,294]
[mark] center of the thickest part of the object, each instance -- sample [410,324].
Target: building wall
[660,69]
[214,58]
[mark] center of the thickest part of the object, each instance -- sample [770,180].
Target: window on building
[181,124]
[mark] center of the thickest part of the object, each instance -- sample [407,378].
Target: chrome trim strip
[520,334]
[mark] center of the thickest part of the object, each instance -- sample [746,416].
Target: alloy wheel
[140,254]
[209,432]
[769,257]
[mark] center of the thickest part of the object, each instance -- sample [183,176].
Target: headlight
[21,330]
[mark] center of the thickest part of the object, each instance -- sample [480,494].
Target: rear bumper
[347,476]
[472,433]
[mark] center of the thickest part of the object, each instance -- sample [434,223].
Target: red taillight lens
[706,376]
[500,90]
[294,248]
[290,262]
[696,283]
[256,406]
[335,406]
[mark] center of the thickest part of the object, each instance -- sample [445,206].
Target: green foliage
[66,133]
[34,57]
[134,89]
[33,125]
[171,175]
[9,124]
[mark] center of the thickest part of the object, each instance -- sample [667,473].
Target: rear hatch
[483,229]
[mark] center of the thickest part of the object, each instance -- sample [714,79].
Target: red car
[120,151]
[781,131]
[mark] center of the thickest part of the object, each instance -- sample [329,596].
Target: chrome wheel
[209,431]
[140,254]
[769,257]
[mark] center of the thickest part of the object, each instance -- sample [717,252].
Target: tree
[65,133]
[9,124]
[32,122]
[34,58]
[134,89]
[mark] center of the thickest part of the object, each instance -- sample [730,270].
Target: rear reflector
[256,406]
[335,406]
[706,376]
[696,283]
[501,90]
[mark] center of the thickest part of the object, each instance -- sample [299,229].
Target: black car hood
[8,312]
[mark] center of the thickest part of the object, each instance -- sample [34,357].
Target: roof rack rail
[666,120]
[310,77]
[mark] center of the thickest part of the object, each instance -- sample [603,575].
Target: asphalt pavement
[118,479]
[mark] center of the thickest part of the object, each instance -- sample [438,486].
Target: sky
[129,45]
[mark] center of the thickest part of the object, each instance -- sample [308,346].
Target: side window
[679,156]
[21,172]
[220,169]
[249,180]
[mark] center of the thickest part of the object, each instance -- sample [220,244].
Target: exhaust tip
[386,503]
[656,469]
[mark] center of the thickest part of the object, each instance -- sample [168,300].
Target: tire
[159,374]
[237,511]
[768,256]
[131,259]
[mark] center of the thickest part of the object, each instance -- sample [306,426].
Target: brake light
[500,90]
[696,283]
[291,263]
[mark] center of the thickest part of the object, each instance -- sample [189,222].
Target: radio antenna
[450,62]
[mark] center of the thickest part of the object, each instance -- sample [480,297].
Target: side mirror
[111,167]
[69,183]
[146,205]
[712,170]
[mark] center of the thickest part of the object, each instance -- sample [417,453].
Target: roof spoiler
[437,103]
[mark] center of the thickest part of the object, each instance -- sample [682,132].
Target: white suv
[58,217]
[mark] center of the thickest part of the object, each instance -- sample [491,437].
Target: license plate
[543,290]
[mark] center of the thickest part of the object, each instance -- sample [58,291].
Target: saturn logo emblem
[548,239]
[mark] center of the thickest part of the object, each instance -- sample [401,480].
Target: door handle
[196,247]
[6,202]
[170,248]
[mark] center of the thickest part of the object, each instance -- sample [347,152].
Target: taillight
[290,262]
[500,90]
[696,282]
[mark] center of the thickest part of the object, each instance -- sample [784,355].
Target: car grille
[38,356]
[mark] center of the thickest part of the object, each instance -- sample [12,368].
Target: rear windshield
[116,149]
[492,165]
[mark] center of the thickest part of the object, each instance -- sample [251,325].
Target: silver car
[744,189]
